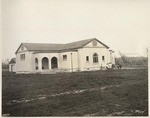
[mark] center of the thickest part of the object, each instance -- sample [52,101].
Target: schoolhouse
[84,55]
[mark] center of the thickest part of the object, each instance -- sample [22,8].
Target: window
[87,58]
[64,57]
[103,58]
[22,56]
[95,58]
[94,43]
[36,63]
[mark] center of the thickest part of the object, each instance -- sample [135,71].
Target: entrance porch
[46,64]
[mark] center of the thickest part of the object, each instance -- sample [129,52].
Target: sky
[123,25]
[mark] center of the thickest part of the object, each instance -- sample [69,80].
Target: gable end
[97,41]
[21,45]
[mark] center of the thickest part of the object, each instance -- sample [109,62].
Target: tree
[5,64]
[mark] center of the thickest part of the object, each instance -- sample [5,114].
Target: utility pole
[148,59]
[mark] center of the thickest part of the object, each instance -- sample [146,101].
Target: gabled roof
[57,47]
[13,60]
[43,46]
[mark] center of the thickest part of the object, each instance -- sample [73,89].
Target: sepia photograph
[75,58]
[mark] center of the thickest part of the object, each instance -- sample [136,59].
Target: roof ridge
[43,43]
[60,43]
[81,40]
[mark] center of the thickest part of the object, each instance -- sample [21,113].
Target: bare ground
[97,93]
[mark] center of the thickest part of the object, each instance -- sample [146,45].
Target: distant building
[90,54]
[12,65]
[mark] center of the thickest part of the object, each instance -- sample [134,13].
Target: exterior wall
[26,65]
[76,60]
[112,57]
[12,67]
[98,45]
[22,49]
[84,65]
[71,63]
[40,56]
[89,50]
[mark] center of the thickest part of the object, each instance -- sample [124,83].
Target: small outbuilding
[12,65]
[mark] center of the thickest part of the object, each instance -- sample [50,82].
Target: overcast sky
[123,25]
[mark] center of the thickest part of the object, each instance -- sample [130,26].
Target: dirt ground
[98,93]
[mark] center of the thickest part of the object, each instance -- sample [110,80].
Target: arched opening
[45,64]
[95,58]
[54,63]
[36,63]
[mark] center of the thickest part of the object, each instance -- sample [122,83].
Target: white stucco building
[90,54]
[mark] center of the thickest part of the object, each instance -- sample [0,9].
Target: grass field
[97,93]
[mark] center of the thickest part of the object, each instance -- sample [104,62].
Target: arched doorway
[95,58]
[45,63]
[36,63]
[54,63]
